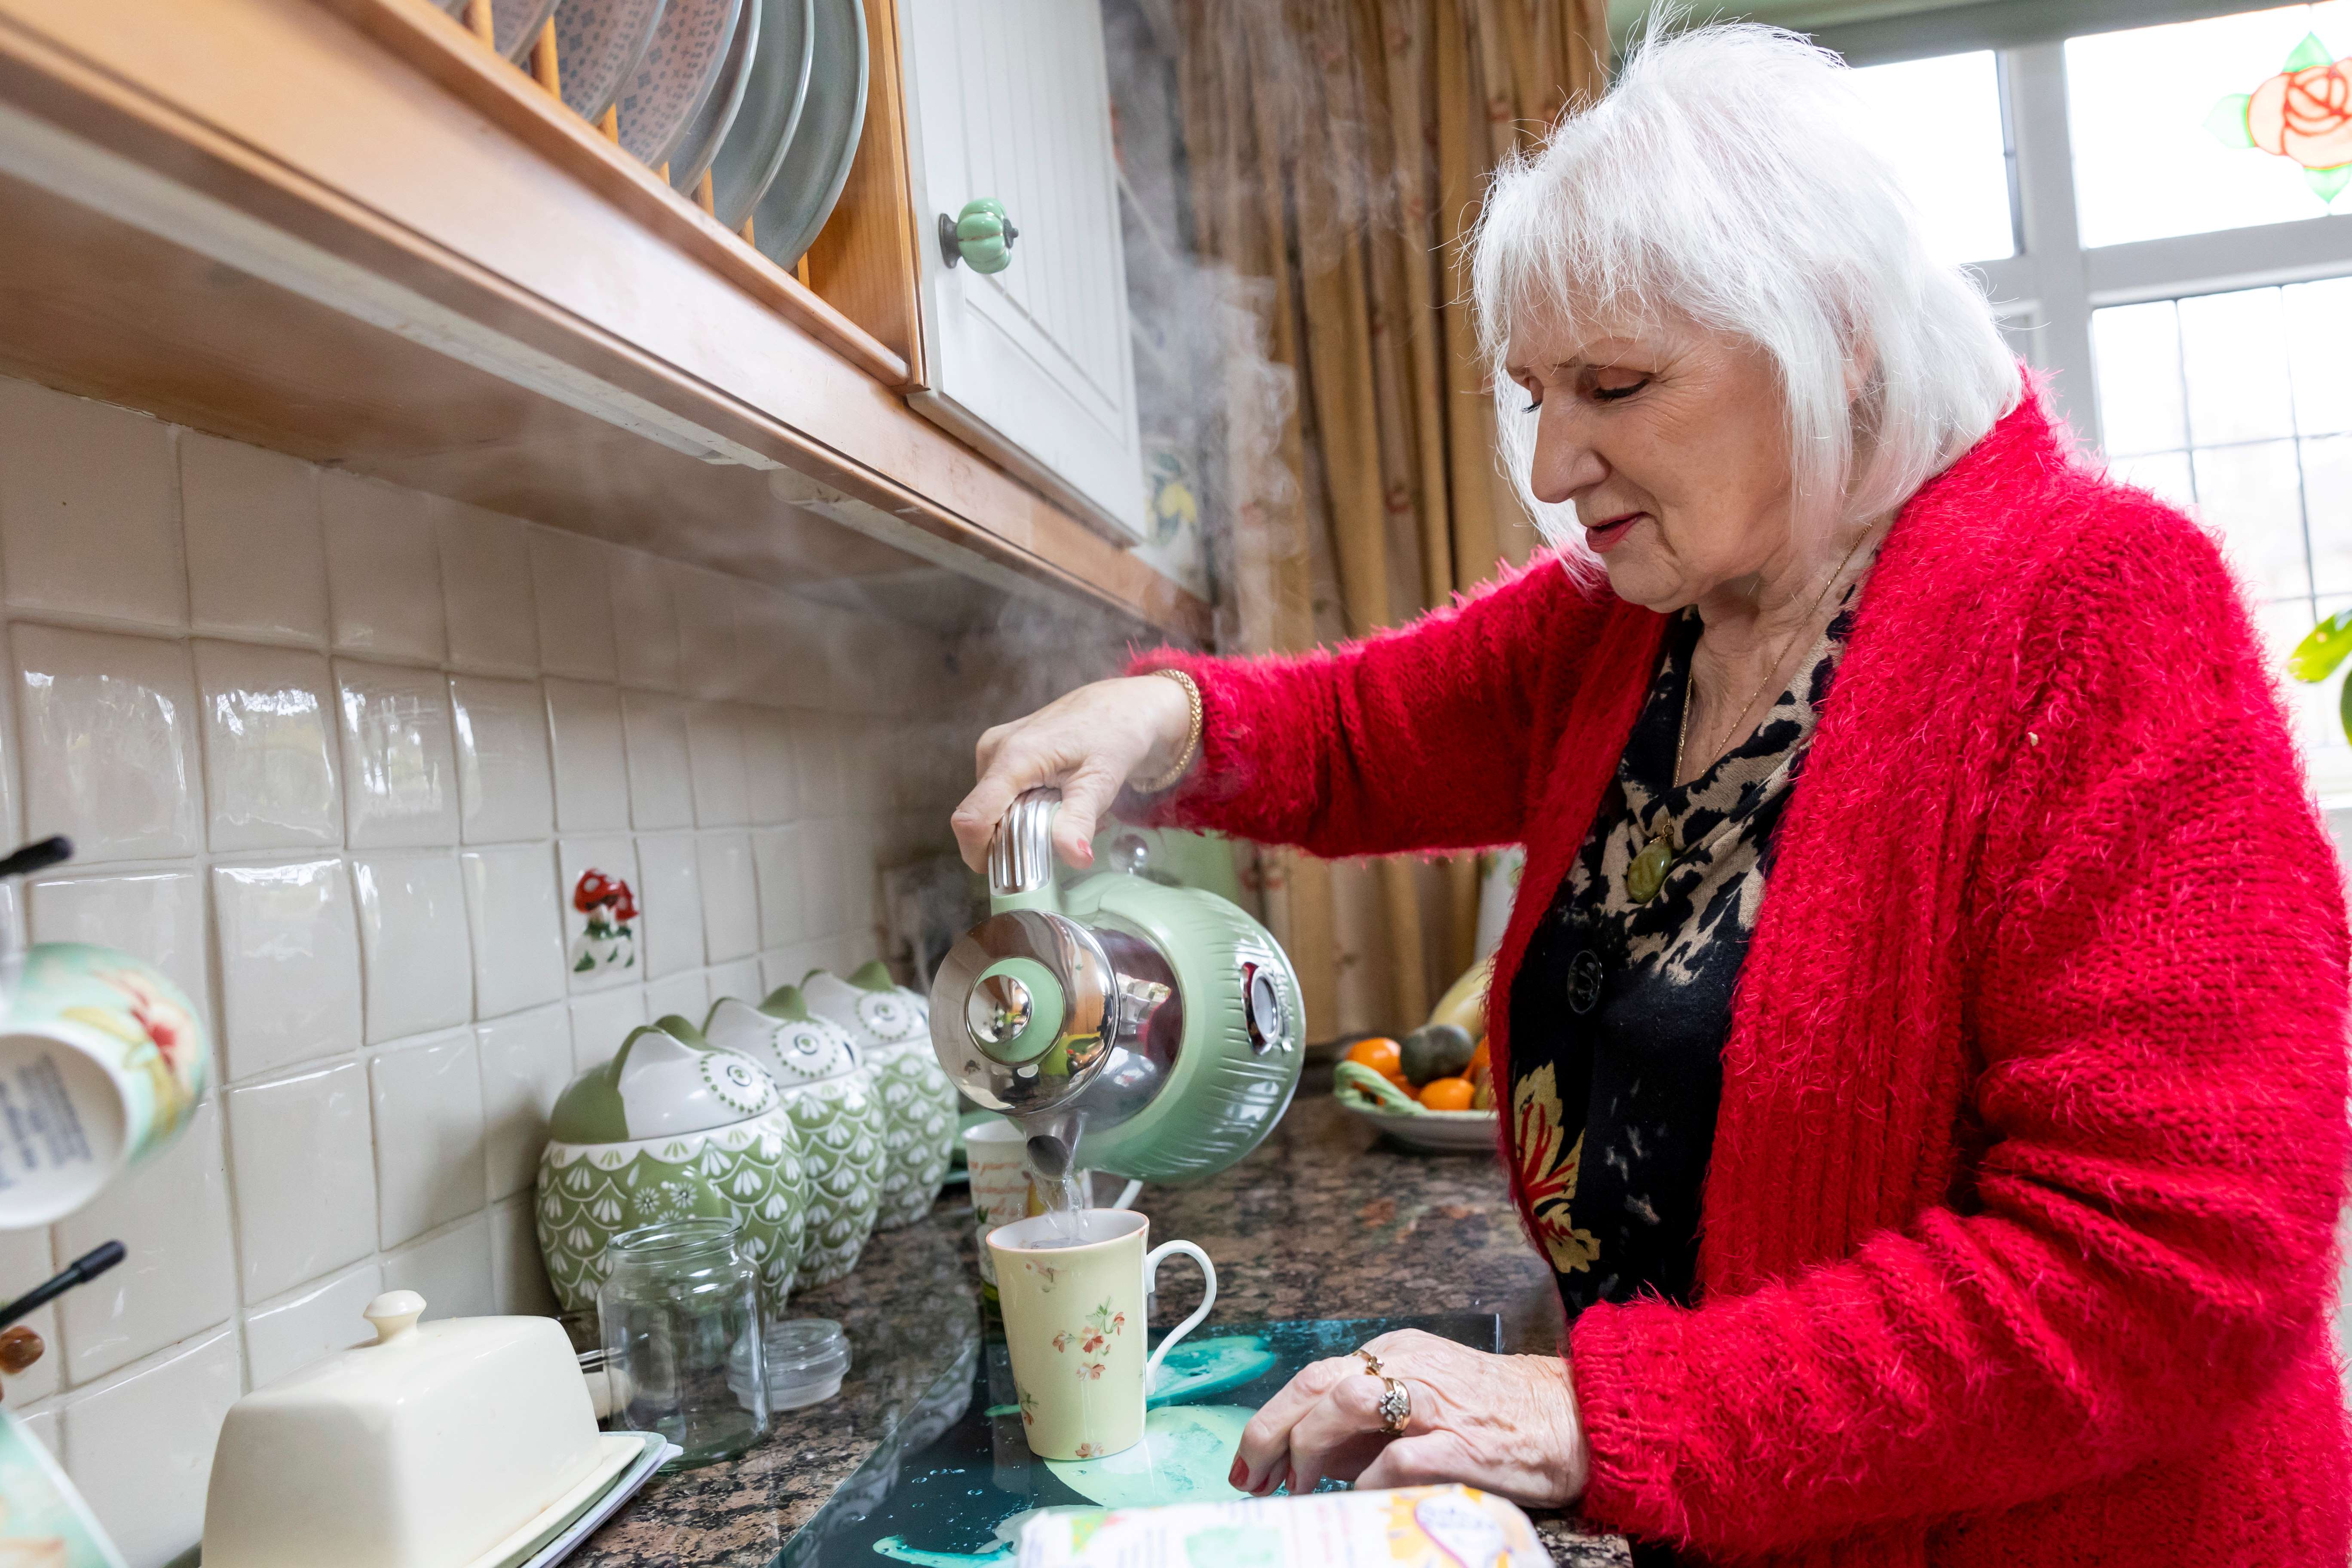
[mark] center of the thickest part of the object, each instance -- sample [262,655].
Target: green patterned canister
[891,1028]
[830,1098]
[754,1173]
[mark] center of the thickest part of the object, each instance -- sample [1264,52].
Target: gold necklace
[1647,872]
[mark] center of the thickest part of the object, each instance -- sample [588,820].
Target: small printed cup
[1074,1322]
[994,1153]
[43,1520]
[102,1062]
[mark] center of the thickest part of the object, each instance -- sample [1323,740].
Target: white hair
[1728,178]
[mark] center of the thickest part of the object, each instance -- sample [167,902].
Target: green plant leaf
[2325,183]
[2344,709]
[2228,122]
[2309,53]
[2322,648]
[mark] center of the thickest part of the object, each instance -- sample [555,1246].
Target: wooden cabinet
[1007,102]
[345,229]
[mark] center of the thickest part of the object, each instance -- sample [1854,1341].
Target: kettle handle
[1021,857]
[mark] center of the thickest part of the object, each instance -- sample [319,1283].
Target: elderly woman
[1924,1016]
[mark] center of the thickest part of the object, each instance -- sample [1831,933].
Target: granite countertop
[1324,1220]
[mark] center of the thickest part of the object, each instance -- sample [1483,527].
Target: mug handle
[1208,1300]
[1126,1199]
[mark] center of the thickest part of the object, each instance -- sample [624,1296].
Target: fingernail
[1237,1475]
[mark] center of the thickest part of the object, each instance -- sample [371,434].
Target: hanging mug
[102,1062]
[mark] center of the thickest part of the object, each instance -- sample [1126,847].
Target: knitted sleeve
[1413,738]
[2143,1248]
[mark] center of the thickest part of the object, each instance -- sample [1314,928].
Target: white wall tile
[269,732]
[180,1279]
[574,598]
[257,561]
[790,965]
[45,1427]
[707,666]
[286,1335]
[156,916]
[591,768]
[383,569]
[450,1270]
[89,509]
[26,1260]
[517,1274]
[714,743]
[661,790]
[671,897]
[302,1160]
[615,857]
[783,892]
[771,778]
[688,995]
[730,903]
[400,764]
[505,791]
[426,1100]
[486,579]
[289,966]
[109,724]
[414,942]
[645,621]
[600,1023]
[816,759]
[741,978]
[526,1061]
[517,935]
[822,909]
[139,1450]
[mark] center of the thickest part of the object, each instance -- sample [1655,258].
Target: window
[1940,122]
[2157,119]
[2186,287]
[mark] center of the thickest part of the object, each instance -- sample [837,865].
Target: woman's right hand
[1090,742]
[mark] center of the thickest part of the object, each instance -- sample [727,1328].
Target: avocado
[1435,1050]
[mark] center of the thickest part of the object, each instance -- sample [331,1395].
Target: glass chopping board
[955,1483]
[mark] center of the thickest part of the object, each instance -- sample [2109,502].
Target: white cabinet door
[1007,99]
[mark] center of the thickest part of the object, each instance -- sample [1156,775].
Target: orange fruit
[1477,1059]
[1446,1094]
[1382,1054]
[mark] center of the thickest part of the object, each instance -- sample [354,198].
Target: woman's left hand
[1507,1424]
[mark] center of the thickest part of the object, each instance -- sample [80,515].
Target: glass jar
[679,1302]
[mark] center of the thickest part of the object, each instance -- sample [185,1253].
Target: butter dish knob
[394,1313]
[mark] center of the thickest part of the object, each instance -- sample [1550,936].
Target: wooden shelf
[341,229]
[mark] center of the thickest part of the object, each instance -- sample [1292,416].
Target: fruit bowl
[1366,1095]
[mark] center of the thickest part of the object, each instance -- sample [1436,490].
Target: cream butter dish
[428,1448]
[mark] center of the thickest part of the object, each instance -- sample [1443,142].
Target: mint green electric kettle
[1149,1031]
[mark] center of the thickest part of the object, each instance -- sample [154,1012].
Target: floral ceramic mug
[1072,1287]
[102,1061]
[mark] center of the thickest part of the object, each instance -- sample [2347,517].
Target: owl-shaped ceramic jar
[672,1129]
[892,1030]
[830,1096]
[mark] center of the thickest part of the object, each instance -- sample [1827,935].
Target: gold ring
[1396,1406]
[1371,1363]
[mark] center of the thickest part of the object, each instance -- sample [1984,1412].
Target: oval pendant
[1647,874]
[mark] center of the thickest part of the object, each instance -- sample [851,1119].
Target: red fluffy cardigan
[2016,1244]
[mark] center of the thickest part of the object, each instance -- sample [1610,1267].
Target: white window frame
[2047,291]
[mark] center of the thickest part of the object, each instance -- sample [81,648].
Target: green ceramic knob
[981,235]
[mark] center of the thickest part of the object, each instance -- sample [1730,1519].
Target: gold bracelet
[1192,738]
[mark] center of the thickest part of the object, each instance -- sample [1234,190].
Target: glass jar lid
[805,1361]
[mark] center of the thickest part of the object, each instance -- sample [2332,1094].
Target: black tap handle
[80,1271]
[38,857]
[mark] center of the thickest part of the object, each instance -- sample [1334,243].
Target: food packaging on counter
[1413,1527]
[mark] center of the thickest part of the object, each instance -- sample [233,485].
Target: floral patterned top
[1619,1014]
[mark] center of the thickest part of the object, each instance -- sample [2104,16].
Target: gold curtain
[1337,151]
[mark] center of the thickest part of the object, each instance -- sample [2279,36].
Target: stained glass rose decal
[2304,113]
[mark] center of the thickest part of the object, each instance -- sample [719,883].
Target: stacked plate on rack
[767,95]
